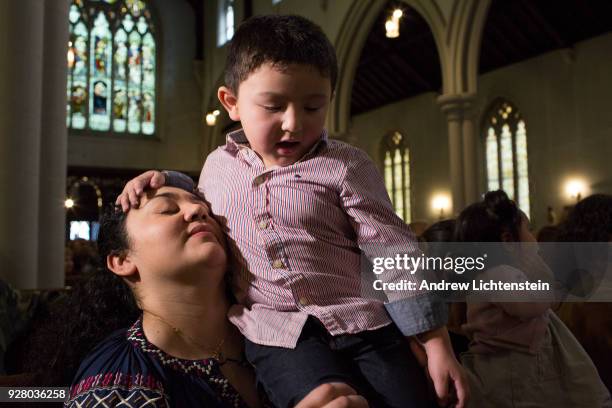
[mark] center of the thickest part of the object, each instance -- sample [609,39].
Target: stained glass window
[506,153]
[112,56]
[396,157]
[227,21]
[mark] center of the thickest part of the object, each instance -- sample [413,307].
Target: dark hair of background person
[437,238]
[589,221]
[489,219]
[441,231]
[93,310]
[280,40]
[548,233]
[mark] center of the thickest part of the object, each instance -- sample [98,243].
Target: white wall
[422,123]
[179,128]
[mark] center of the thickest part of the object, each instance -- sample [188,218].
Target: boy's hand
[443,368]
[333,395]
[130,196]
[445,371]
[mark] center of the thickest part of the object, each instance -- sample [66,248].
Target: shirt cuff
[178,180]
[418,314]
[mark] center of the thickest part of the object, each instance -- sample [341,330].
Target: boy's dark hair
[280,40]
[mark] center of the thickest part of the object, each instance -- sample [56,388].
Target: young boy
[297,209]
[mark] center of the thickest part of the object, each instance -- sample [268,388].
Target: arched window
[111,67]
[506,152]
[226,21]
[396,158]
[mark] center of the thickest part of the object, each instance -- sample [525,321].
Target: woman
[181,351]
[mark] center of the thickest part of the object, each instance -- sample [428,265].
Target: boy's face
[282,111]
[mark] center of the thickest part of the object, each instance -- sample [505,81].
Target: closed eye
[272,108]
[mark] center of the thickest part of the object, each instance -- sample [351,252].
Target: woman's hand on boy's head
[130,196]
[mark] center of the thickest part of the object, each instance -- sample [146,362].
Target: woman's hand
[130,196]
[333,395]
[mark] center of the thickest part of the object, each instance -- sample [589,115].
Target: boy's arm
[130,196]
[380,232]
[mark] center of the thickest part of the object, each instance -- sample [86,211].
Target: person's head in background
[441,231]
[548,233]
[494,219]
[84,256]
[589,221]
[418,227]
[280,75]
[579,266]
[437,237]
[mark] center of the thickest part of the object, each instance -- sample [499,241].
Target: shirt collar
[234,140]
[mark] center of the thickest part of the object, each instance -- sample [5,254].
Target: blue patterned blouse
[127,370]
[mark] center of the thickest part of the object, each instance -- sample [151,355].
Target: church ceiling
[390,70]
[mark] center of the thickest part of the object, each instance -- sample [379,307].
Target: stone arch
[462,46]
[349,44]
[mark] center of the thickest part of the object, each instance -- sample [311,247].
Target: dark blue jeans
[377,363]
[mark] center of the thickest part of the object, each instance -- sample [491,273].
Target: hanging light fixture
[392,24]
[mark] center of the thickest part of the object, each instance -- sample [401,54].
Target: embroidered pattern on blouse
[207,369]
[117,389]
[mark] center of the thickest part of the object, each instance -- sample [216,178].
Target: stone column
[470,162]
[32,108]
[462,148]
[53,147]
[452,109]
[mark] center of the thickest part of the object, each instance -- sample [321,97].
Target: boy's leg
[386,362]
[288,375]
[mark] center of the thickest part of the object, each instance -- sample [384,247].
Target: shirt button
[259,180]
[263,224]
[304,301]
[278,264]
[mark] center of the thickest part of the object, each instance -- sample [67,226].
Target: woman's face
[173,235]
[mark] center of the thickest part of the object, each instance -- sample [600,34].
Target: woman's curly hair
[97,306]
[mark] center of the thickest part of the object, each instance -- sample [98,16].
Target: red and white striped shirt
[295,235]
